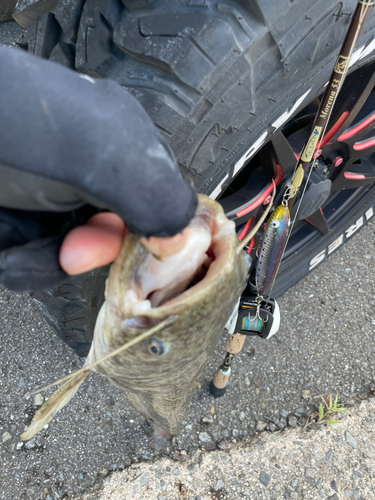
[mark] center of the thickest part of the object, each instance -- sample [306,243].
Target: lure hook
[258,300]
[287,195]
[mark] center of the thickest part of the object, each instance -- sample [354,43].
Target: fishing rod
[257,315]
[330,95]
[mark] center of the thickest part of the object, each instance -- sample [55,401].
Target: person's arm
[70,145]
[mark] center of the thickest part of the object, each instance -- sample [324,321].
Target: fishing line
[144,335]
[291,229]
[324,112]
[300,201]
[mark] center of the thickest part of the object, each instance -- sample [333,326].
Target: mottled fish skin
[160,385]
[160,374]
[272,248]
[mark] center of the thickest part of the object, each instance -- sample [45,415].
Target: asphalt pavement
[325,345]
[319,462]
[10,33]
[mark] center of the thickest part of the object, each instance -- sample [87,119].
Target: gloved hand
[69,147]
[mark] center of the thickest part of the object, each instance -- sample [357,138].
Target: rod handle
[218,386]
[235,343]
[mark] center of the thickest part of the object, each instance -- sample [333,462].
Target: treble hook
[257,314]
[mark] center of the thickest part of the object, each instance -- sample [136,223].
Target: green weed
[327,409]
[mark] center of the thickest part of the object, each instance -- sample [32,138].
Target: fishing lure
[272,248]
[260,320]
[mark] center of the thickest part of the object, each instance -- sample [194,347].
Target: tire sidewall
[247,144]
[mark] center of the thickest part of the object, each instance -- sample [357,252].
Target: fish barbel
[193,292]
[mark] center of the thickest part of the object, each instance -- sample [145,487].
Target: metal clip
[287,194]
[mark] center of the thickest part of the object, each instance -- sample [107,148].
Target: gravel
[350,440]
[274,468]
[334,486]
[292,421]
[38,400]
[10,33]
[207,420]
[204,437]
[219,485]
[272,427]
[261,425]
[305,394]
[264,478]
[310,472]
[7,436]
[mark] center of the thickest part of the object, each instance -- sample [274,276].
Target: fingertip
[90,246]
[165,247]
[107,220]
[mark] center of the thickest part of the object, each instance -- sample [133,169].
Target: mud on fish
[191,293]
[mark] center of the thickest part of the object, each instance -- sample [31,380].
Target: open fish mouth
[153,283]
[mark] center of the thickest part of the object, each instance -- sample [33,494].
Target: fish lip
[223,244]
[224,263]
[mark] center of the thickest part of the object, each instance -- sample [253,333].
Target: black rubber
[213,76]
[215,391]
[71,308]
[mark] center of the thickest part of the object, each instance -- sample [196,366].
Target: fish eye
[155,347]
[275,223]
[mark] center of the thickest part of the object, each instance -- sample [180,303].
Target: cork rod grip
[220,381]
[235,342]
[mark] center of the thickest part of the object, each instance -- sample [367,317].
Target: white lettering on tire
[317,259]
[215,193]
[369,213]
[355,56]
[368,49]
[252,150]
[354,228]
[287,114]
[340,240]
[362,52]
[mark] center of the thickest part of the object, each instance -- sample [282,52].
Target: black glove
[70,145]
